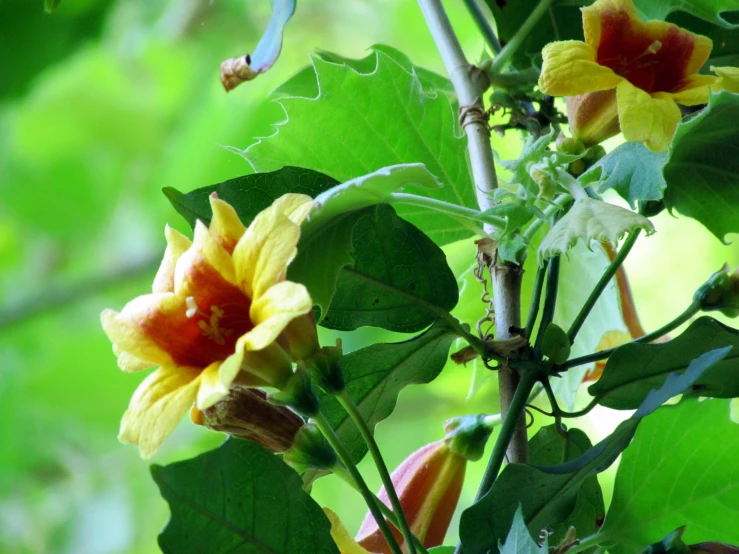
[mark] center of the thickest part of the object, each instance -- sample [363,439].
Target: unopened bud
[720,292]
[713,548]
[467,435]
[569,145]
[310,451]
[246,413]
[324,367]
[577,167]
[299,394]
[428,484]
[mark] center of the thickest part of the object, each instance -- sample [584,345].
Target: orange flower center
[205,329]
[651,63]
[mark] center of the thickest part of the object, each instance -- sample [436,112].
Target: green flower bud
[324,367]
[299,394]
[569,145]
[310,450]
[720,293]
[467,435]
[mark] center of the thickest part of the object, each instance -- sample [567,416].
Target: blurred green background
[103,103]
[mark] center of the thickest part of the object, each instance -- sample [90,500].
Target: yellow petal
[177,244]
[644,118]
[273,310]
[262,255]
[728,79]
[157,407]
[342,538]
[295,206]
[205,252]
[216,379]
[225,227]
[126,332]
[592,17]
[694,90]
[128,362]
[569,68]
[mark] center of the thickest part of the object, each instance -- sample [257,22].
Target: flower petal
[177,244]
[262,255]
[225,227]
[157,407]
[216,379]
[645,118]
[205,256]
[126,332]
[128,362]
[342,538]
[694,91]
[594,15]
[295,206]
[728,79]
[273,310]
[569,68]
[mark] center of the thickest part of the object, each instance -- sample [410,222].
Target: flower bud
[246,413]
[324,367]
[720,292]
[299,394]
[569,145]
[428,484]
[593,117]
[310,450]
[713,548]
[467,435]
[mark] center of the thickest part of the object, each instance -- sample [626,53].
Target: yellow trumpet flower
[216,316]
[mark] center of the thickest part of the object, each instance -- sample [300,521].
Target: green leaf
[442,550]
[555,344]
[519,540]
[398,279]
[679,470]
[702,173]
[634,172]
[562,22]
[369,190]
[547,494]
[268,49]
[239,498]
[634,369]
[549,448]
[710,10]
[362,122]
[588,220]
[249,194]
[375,375]
[51,5]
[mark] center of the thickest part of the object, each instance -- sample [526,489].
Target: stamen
[192,307]
[212,330]
[655,47]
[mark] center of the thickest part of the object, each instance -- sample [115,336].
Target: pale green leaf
[588,220]
[519,540]
[362,122]
[715,11]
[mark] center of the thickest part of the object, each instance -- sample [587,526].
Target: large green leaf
[363,121]
[249,194]
[679,470]
[634,369]
[633,172]
[547,494]
[714,11]
[239,498]
[375,375]
[398,279]
[561,22]
[549,448]
[702,173]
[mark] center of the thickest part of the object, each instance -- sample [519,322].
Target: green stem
[341,472]
[351,408]
[483,25]
[550,303]
[601,285]
[693,309]
[535,301]
[521,35]
[447,208]
[333,439]
[586,544]
[518,404]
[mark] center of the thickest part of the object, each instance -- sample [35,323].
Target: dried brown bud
[235,71]
[246,413]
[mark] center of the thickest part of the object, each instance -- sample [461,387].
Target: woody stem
[333,439]
[351,408]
